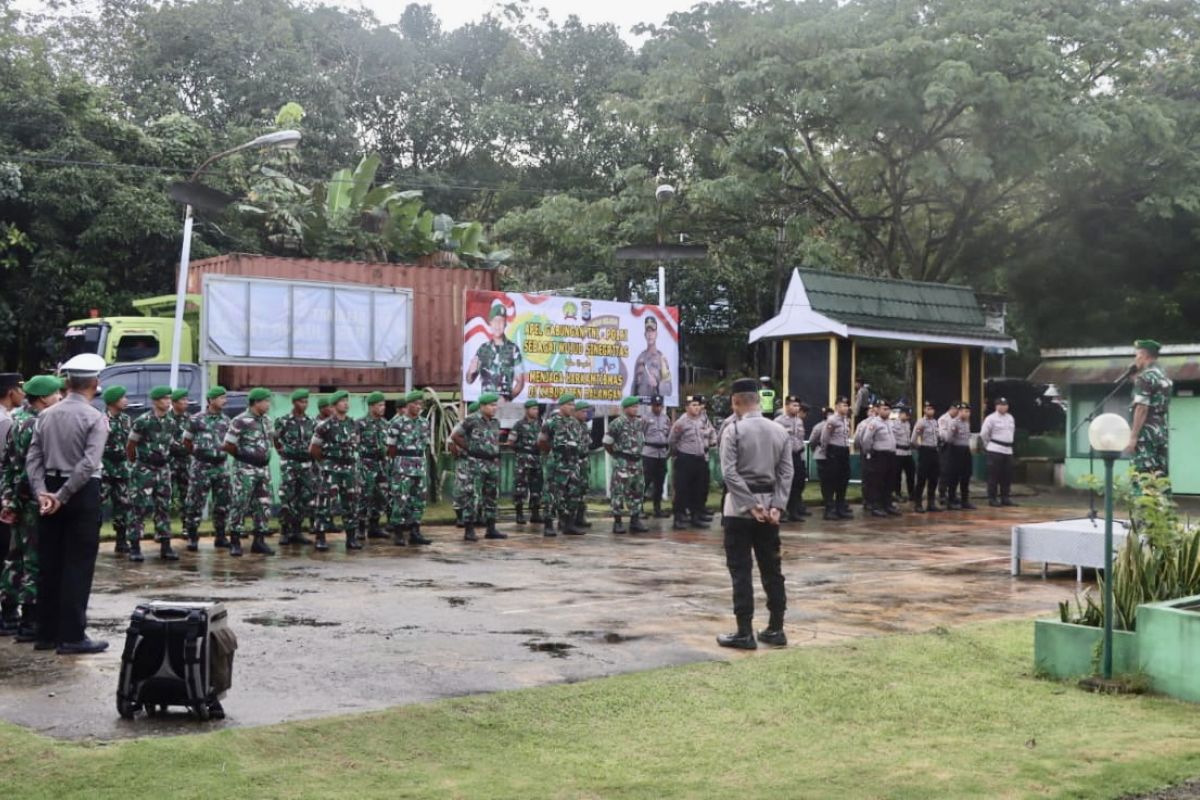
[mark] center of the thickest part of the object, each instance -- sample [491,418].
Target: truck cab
[148,338]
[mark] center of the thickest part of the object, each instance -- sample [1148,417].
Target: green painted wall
[1169,647]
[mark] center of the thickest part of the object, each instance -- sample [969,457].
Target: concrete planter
[1168,635]
[1063,651]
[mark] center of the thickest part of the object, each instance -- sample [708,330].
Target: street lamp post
[1108,435]
[282,140]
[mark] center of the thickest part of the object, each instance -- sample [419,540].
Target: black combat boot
[352,540]
[285,535]
[260,546]
[680,523]
[166,552]
[699,521]
[321,545]
[299,538]
[917,507]
[743,639]
[658,511]
[830,514]
[235,544]
[458,518]
[567,526]
[520,514]
[469,532]
[844,512]
[492,533]
[193,541]
[535,513]
[374,531]
[27,630]
[10,619]
[220,542]
[122,547]
[135,551]
[773,634]
[548,528]
[415,536]
[581,520]
[618,525]
[636,525]
[398,535]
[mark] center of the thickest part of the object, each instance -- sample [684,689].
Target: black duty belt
[829,447]
[408,453]
[339,460]
[928,447]
[656,444]
[303,459]
[485,456]
[762,488]
[207,459]
[254,461]
[629,456]
[1002,444]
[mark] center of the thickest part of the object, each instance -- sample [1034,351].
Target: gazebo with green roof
[827,317]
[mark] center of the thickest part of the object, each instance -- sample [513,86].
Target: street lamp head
[280,140]
[664,193]
[1108,434]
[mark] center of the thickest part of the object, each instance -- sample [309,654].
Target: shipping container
[437,319]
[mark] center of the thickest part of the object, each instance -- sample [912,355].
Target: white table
[1079,542]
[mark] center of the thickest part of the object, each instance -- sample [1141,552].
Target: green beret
[299,394]
[566,398]
[215,392]
[375,397]
[112,394]
[582,405]
[42,385]
[179,394]
[323,401]
[258,394]
[531,403]
[630,401]
[472,407]
[159,392]
[338,396]
[415,396]
[488,397]
[497,310]
[1148,344]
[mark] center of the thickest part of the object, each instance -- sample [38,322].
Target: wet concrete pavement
[323,634]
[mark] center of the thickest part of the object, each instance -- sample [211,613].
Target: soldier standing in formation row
[528,464]
[204,440]
[958,434]
[792,421]
[334,446]
[114,480]
[464,492]
[149,449]
[906,468]
[691,437]
[479,437]
[945,458]
[925,439]
[1148,435]
[559,439]
[997,434]
[582,479]
[877,443]
[656,432]
[249,440]
[624,443]
[407,441]
[297,471]
[179,418]
[374,477]
[835,441]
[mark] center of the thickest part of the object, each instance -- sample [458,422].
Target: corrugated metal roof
[888,304]
[1109,369]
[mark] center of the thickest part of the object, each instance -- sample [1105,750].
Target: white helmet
[84,365]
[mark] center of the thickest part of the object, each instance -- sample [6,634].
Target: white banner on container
[266,321]
[524,346]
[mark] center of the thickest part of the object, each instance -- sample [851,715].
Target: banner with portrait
[532,346]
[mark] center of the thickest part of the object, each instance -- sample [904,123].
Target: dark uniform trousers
[747,541]
[655,470]
[999,475]
[691,484]
[878,478]
[906,469]
[837,474]
[928,469]
[68,542]
[799,479]
[960,476]
[945,470]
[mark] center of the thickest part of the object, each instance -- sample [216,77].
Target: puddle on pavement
[552,649]
[445,560]
[458,601]
[608,637]
[290,622]
[522,632]
[479,585]
[415,583]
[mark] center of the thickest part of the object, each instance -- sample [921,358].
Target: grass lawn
[946,714]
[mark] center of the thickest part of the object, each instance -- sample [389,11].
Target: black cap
[656,400]
[842,399]
[9,381]
[965,406]
[792,398]
[929,404]
[696,398]
[882,402]
[1001,401]
[744,385]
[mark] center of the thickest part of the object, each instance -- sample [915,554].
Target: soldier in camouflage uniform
[114,477]
[581,481]
[249,440]
[464,489]
[407,441]
[559,440]
[373,471]
[335,447]
[181,462]
[149,448]
[1151,397]
[204,439]
[297,471]
[498,362]
[624,443]
[18,581]
[479,438]
[528,480]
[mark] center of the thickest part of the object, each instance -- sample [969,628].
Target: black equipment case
[176,654]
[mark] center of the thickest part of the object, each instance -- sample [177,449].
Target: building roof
[908,312]
[1100,365]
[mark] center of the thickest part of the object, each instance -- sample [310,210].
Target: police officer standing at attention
[878,447]
[756,465]
[925,439]
[792,421]
[656,430]
[64,474]
[960,459]
[690,438]
[997,434]
[835,441]
[946,479]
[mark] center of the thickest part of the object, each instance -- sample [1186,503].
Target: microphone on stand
[1132,368]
